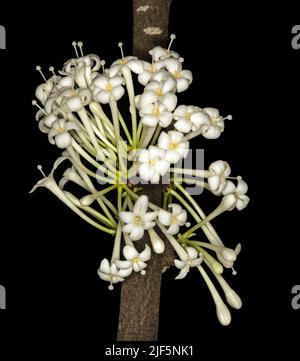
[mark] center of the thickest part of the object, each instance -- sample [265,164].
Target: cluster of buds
[78,110]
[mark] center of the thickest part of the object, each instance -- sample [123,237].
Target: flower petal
[136,233]
[126,217]
[146,254]
[129,253]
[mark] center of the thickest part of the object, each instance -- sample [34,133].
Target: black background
[243,64]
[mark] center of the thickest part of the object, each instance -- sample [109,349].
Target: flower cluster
[79,112]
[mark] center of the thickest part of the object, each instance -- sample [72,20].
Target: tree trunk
[140,295]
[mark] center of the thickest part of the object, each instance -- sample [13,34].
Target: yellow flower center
[137,220]
[176,74]
[152,68]
[136,260]
[152,162]
[156,111]
[173,146]
[108,87]
[187,115]
[174,220]
[159,92]
[60,130]
[123,61]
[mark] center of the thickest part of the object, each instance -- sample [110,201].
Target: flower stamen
[75,48]
[39,69]
[172,37]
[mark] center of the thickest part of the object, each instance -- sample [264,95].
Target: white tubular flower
[43,90]
[183,77]
[239,192]
[134,259]
[156,242]
[104,86]
[72,175]
[159,53]
[189,118]
[153,164]
[60,132]
[173,219]
[219,170]
[159,91]
[216,126]
[138,220]
[156,113]
[74,100]
[83,70]
[174,145]
[192,261]
[110,272]
[149,71]
[131,62]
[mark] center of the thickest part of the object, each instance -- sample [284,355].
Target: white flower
[149,71]
[60,132]
[138,220]
[134,259]
[153,164]
[131,62]
[74,100]
[110,272]
[192,261]
[83,69]
[183,77]
[156,113]
[227,256]
[159,91]
[239,192]
[104,86]
[189,118]
[159,53]
[174,145]
[216,126]
[174,220]
[219,170]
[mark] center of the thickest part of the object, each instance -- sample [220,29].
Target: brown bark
[140,295]
[150,25]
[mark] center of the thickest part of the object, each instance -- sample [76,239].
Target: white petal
[136,66]
[102,97]
[211,132]
[184,126]
[136,233]
[126,217]
[182,217]
[168,85]
[150,120]
[170,101]
[192,253]
[182,85]
[146,98]
[173,65]
[118,92]
[242,202]
[229,188]
[144,78]
[125,272]
[104,266]
[172,156]
[141,205]
[144,156]
[104,276]
[165,119]
[129,253]
[212,112]
[179,264]
[242,187]
[149,225]
[196,262]
[164,140]
[146,254]
[100,82]
[116,81]
[182,273]
[214,182]
[123,264]
[164,217]
[146,171]
[127,228]
[176,208]
[63,140]
[173,229]
[163,167]
[149,216]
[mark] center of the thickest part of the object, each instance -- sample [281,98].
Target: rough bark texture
[150,25]
[140,295]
